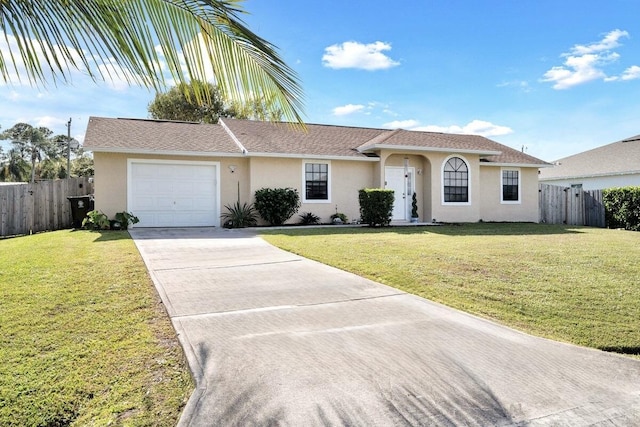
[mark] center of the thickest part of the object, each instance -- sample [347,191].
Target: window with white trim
[455,178]
[316,181]
[510,185]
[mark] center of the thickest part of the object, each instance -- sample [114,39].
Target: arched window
[456,180]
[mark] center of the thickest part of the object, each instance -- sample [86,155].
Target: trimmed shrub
[376,206]
[276,205]
[622,207]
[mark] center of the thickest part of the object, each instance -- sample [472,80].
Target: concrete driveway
[274,339]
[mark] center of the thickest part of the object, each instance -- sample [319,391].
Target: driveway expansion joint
[281,307]
[224,267]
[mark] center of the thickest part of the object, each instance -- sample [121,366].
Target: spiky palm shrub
[240,215]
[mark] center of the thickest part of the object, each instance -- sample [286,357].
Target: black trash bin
[80,206]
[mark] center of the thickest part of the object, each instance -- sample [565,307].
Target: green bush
[622,207]
[376,206]
[339,216]
[276,205]
[96,220]
[125,219]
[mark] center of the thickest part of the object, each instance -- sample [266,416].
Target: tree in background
[82,165]
[139,40]
[38,155]
[180,103]
[14,168]
[30,142]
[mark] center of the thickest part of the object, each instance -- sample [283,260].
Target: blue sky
[554,77]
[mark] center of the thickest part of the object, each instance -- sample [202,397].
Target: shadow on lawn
[465,229]
[108,235]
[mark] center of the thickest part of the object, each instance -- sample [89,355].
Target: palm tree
[15,168]
[30,142]
[51,37]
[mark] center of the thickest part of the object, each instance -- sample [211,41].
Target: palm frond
[50,38]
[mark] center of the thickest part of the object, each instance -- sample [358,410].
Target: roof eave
[596,175]
[516,165]
[427,149]
[315,156]
[162,152]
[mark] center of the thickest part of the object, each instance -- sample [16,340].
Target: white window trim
[304,181]
[511,202]
[467,203]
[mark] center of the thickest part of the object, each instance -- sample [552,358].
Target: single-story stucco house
[612,165]
[175,174]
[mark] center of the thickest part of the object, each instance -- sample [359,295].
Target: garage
[174,193]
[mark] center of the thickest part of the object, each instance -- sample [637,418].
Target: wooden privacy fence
[29,208]
[571,206]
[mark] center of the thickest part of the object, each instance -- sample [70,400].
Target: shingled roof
[618,158]
[263,138]
[255,138]
[157,136]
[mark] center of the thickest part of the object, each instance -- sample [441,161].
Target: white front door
[400,180]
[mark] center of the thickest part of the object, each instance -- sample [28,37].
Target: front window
[316,181]
[510,185]
[456,181]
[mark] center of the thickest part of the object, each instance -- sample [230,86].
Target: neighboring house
[183,174]
[612,165]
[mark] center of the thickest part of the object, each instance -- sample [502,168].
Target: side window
[455,178]
[510,185]
[316,182]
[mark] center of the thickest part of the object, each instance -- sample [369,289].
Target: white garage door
[172,194]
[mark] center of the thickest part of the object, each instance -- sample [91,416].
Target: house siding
[451,212]
[491,206]
[347,177]
[273,156]
[110,180]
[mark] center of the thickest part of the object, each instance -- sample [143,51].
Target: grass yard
[573,284]
[84,338]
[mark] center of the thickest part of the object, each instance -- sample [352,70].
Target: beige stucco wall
[451,212]
[347,177]
[110,180]
[492,209]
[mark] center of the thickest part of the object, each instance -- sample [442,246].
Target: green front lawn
[574,284]
[84,338]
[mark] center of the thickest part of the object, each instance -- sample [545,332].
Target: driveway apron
[274,339]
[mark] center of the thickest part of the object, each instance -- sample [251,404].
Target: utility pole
[69,148]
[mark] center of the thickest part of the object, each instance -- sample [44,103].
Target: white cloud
[347,109]
[522,85]
[631,73]
[49,122]
[585,63]
[475,127]
[357,55]
[13,96]
[402,124]
[610,41]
